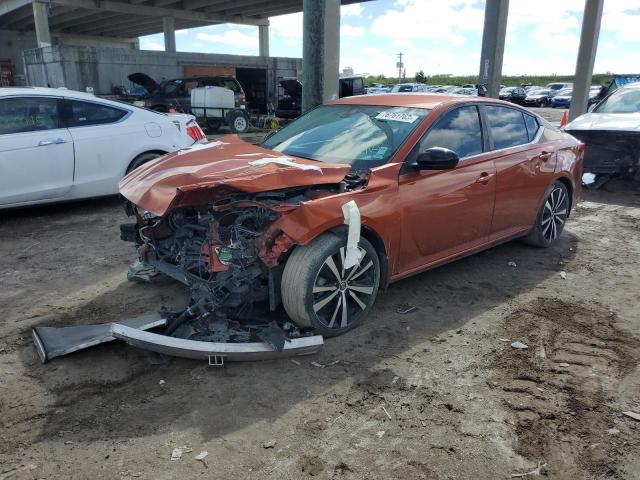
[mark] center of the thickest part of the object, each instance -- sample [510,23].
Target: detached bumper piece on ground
[51,342]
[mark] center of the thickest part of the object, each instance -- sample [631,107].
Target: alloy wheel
[554,214]
[339,293]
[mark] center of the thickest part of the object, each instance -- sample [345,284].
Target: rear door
[446,212]
[36,151]
[525,165]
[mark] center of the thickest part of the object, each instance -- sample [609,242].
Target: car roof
[414,100]
[630,86]
[44,91]
[62,92]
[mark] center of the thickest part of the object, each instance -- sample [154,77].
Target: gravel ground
[438,393]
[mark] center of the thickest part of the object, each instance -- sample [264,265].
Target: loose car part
[53,342]
[215,352]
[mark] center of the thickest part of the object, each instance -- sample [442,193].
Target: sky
[441,37]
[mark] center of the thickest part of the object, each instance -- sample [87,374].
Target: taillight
[240,99]
[194,131]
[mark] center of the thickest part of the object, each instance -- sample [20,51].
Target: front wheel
[551,217]
[318,291]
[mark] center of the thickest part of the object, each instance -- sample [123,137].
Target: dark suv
[176,93]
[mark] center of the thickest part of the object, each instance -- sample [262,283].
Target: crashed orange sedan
[350,197]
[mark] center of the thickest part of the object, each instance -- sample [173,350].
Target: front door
[36,155]
[447,212]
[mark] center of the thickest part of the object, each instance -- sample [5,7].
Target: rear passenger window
[532,126]
[87,113]
[28,114]
[458,130]
[507,127]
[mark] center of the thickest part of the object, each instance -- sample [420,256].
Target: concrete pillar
[586,57]
[331,50]
[312,52]
[263,38]
[41,20]
[495,31]
[169,28]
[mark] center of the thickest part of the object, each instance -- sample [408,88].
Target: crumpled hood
[229,161]
[625,122]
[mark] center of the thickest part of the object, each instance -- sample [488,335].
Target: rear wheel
[141,159]
[551,217]
[318,291]
[214,125]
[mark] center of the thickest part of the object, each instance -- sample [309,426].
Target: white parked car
[58,145]
[611,133]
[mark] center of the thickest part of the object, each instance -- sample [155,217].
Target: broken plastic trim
[198,350]
[351,214]
[51,342]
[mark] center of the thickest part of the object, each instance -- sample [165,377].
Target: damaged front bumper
[51,342]
[215,352]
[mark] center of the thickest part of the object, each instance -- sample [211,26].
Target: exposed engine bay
[231,256]
[231,253]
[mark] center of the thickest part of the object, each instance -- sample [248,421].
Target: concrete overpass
[125,20]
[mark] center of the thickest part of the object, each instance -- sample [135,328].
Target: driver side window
[458,130]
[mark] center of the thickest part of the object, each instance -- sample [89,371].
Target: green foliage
[420,77]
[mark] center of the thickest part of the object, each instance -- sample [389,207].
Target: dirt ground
[438,393]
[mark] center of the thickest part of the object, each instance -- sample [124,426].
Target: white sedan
[58,145]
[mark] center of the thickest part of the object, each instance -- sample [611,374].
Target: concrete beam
[169,29]
[267,9]
[313,13]
[102,22]
[331,86]
[8,6]
[495,31]
[263,38]
[586,57]
[17,19]
[88,23]
[64,20]
[41,20]
[143,10]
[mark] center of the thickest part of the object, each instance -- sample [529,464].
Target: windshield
[363,136]
[621,101]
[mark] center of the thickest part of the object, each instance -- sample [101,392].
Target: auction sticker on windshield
[397,116]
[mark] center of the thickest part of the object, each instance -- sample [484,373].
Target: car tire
[315,286]
[238,122]
[214,125]
[141,159]
[551,218]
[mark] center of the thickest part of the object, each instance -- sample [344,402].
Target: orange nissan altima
[350,197]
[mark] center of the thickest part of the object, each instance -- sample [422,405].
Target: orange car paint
[421,218]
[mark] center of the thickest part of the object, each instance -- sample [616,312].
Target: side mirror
[437,158]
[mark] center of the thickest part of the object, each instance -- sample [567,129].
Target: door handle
[484,178]
[544,156]
[51,141]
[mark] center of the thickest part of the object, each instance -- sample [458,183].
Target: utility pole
[399,65]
